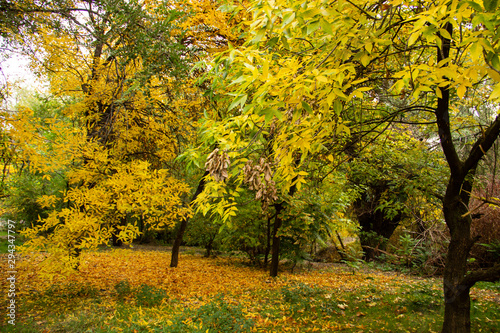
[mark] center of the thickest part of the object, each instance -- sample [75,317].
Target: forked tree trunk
[376,226]
[456,280]
[376,229]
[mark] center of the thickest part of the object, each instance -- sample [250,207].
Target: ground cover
[136,291]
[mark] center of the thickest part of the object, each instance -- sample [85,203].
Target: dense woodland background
[332,131]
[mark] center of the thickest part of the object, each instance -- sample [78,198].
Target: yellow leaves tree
[312,74]
[121,68]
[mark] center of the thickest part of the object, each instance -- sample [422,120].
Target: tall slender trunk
[268,241]
[457,301]
[174,261]
[275,257]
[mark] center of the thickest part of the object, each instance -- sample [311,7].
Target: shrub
[148,296]
[485,227]
[123,289]
[216,316]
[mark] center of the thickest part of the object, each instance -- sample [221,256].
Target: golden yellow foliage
[121,128]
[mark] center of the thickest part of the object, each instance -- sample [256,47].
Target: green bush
[148,296]
[123,289]
[217,316]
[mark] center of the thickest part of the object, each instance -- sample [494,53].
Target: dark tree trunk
[456,281]
[276,240]
[456,293]
[376,226]
[375,231]
[455,207]
[209,247]
[275,258]
[174,261]
[268,241]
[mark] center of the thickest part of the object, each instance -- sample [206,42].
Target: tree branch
[491,274]
[482,145]
[443,115]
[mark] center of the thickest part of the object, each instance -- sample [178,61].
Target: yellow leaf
[461,90]
[413,38]
[493,74]
[495,94]
[321,78]
[438,93]
[476,51]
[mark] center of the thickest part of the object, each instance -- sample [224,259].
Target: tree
[305,66]
[209,31]
[24,187]
[392,170]
[113,63]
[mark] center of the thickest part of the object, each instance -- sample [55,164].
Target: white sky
[16,71]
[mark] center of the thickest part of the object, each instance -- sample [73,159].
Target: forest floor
[135,290]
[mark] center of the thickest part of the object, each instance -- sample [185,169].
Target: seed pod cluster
[265,190]
[218,164]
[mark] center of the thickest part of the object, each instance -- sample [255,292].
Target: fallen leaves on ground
[330,298]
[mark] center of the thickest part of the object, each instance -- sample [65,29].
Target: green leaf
[337,106]
[311,13]
[313,26]
[490,5]
[475,6]
[284,41]
[307,107]
[270,113]
[327,27]
[495,61]
[239,100]
[288,18]
[259,35]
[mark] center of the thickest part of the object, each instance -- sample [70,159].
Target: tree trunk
[375,231]
[275,258]
[268,241]
[209,247]
[376,227]
[174,261]
[456,281]
[455,209]
[456,293]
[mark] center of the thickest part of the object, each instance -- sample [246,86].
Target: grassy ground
[136,291]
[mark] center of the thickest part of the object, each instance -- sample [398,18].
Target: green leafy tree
[389,173]
[307,68]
